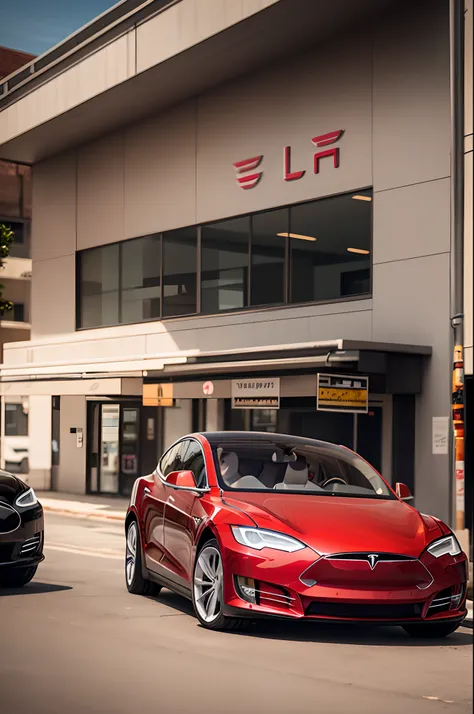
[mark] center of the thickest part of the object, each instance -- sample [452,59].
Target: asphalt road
[75,641]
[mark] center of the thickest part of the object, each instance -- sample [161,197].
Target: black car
[21,532]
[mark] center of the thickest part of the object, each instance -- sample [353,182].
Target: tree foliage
[6,239]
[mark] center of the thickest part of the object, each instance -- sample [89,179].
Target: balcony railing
[103,29]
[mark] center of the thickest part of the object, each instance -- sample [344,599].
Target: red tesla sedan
[252,525]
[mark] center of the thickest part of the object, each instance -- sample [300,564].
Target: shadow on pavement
[174,601]
[324,632]
[349,634]
[34,588]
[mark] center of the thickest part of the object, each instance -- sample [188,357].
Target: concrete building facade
[15,212]
[238,193]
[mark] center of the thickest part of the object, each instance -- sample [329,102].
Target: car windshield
[261,465]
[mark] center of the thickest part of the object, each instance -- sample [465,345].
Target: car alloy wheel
[208,582]
[135,579]
[131,552]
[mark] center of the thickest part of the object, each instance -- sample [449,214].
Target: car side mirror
[182,479]
[403,492]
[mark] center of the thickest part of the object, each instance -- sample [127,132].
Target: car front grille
[30,546]
[366,611]
[368,571]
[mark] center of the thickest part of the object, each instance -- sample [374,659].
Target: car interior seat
[229,466]
[296,477]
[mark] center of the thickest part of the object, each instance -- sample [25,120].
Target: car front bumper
[428,590]
[24,546]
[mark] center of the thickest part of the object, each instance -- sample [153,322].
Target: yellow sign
[338,393]
[157,395]
[329,397]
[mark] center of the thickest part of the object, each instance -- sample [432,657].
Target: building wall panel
[53,297]
[100,192]
[411,127]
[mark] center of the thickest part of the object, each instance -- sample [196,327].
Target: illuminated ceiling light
[296,235]
[362,198]
[360,251]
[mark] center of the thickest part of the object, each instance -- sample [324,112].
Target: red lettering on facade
[288,175]
[325,140]
[250,180]
[241,167]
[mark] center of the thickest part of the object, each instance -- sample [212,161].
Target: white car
[15,453]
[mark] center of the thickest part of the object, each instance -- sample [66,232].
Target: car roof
[258,436]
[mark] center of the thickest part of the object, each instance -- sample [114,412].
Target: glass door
[113,444]
[109,448]
[129,448]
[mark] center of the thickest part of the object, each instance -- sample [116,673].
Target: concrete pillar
[468,195]
[40,421]
[72,458]
[215,415]
[178,421]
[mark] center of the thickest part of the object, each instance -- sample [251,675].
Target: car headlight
[445,546]
[27,499]
[258,538]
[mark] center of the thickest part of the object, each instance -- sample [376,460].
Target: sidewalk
[102,508]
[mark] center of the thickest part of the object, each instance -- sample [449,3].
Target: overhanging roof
[305,355]
[284,27]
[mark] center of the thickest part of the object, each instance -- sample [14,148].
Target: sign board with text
[157,395]
[261,393]
[342,393]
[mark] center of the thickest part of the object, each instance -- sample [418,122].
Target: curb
[89,515]
[467,622]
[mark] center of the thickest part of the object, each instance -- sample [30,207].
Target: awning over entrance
[84,387]
[396,368]
[376,357]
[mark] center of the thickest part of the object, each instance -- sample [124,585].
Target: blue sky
[37,25]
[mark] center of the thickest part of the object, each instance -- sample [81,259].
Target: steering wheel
[334,479]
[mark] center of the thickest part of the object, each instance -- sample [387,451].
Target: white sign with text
[260,393]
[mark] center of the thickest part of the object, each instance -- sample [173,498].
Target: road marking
[111,555]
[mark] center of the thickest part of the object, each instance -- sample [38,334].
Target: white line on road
[111,555]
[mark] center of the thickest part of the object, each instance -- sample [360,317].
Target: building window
[180,272]
[99,286]
[269,238]
[225,265]
[140,294]
[330,243]
[311,252]
[17,314]
[20,248]
[16,420]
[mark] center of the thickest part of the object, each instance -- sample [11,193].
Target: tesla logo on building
[372,558]
[251,178]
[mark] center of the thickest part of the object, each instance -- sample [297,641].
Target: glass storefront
[318,251]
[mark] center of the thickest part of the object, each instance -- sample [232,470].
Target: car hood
[339,525]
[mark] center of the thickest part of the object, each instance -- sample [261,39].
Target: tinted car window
[170,460]
[320,470]
[193,460]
